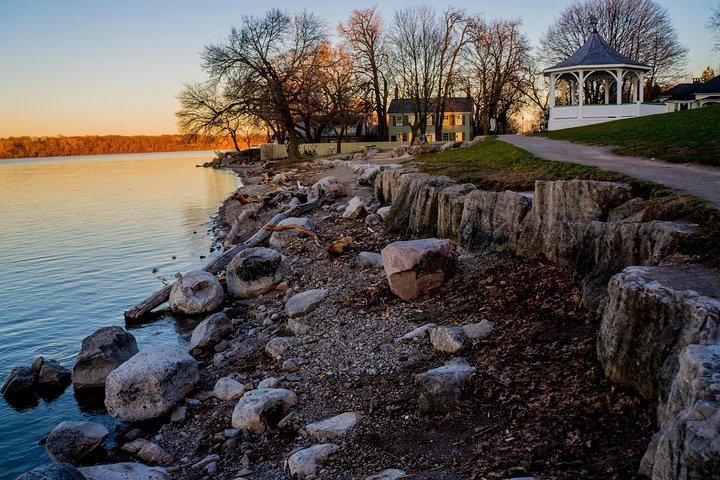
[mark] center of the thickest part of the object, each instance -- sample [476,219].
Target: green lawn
[496,165]
[686,136]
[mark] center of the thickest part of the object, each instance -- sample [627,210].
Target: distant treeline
[61,146]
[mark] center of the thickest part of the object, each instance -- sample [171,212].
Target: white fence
[272,151]
[579,115]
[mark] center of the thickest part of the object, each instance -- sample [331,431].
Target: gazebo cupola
[597,84]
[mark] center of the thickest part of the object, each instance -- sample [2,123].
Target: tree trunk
[293,146]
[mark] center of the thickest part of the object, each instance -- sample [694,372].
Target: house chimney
[397,92]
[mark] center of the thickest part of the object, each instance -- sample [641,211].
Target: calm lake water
[82,239]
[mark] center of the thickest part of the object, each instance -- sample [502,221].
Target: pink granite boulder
[417,266]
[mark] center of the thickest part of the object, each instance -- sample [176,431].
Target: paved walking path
[698,180]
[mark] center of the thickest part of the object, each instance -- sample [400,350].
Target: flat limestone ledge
[652,314]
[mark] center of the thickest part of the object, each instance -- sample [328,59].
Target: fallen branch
[217,264]
[249,212]
[299,228]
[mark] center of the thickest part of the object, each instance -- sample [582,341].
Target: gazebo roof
[596,52]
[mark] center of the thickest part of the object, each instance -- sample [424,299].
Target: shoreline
[538,404]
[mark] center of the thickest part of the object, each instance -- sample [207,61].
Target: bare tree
[713,24]
[204,111]
[416,41]
[455,32]
[639,29]
[274,56]
[364,33]
[498,58]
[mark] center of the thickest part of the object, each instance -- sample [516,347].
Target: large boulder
[254,271]
[304,463]
[196,293]
[18,384]
[101,353]
[561,213]
[424,208]
[150,384]
[261,409]
[440,388]
[70,442]
[492,219]
[415,267]
[652,314]
[124,471]
[609,247]
[54,471]
[686,446]
[280,239]
[210,331]
[305,302]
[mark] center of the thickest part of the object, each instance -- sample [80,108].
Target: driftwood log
[217,264]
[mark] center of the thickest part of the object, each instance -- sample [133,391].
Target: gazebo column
[581,93]
[552,90]
[619,86]
[641,89]
[607,91]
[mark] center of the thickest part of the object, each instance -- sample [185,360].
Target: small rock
[276,347]
[70,442]
[478,330]
[304,463]
[210,331]
[254,271]
[222,346]
[135,445]
[179,414]
[196,293]
[305,302]
[54,471]
[287,420]
[331,428]
[256,409]
[383,212]
[440,388]
[448,339]
[231,432]
[206,461]
[297,328]
[124,471]
[154,454]
[102,352]
[389,474]
[355,208]
[368,260]
[271,382]
[292,364]
[227,388]
[417,333]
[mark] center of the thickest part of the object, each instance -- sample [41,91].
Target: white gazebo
[597,84]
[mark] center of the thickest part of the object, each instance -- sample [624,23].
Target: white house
[584,88]
[686,96]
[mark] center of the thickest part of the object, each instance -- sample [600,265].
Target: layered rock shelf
[660,329]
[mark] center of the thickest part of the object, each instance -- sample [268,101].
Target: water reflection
[81,240]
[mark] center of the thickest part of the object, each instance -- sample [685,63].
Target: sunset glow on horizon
[91,68]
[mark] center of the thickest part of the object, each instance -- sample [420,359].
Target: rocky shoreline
[475,362]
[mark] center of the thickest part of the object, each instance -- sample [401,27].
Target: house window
[448,136]
[459,119]
[459,136]
[430,120]
[398,120]
[446,119]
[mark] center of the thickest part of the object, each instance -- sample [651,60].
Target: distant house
[457,123]
[686,96]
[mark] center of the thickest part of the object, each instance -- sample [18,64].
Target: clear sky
[77,67]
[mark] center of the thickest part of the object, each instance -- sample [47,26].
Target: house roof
[682,91]
[596,51]
[453,104]
[711,86]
